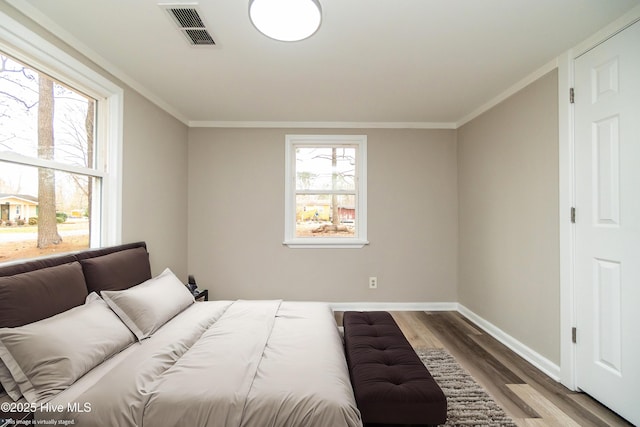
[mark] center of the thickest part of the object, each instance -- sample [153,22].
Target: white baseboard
[531,356]
[393,306]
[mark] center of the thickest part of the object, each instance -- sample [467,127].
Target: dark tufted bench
[391,384]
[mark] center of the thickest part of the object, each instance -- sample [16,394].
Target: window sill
[318,243]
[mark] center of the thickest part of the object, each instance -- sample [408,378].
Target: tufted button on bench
[391,384]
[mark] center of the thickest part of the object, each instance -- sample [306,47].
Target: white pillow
[146,307]
[47,356]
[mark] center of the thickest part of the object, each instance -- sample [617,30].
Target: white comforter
[222,364]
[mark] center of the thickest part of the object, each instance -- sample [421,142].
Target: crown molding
[46,23]
[39,18]
[607,32]
[549,66]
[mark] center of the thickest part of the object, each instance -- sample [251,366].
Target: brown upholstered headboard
[34,290]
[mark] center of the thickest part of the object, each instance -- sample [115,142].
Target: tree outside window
[47,163]
[325,191]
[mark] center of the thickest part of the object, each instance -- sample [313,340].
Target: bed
[92,339]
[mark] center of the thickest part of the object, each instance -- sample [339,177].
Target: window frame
[359,240]
[28,47]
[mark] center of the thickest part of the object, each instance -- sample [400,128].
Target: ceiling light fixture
[286,20]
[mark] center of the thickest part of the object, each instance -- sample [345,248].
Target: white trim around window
[359,238]
[25,45]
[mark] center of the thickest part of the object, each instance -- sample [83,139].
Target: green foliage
[33,220]
[61,217]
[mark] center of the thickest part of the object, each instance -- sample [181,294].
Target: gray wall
[236,220]
[468,215]
[154,195]
[508,221]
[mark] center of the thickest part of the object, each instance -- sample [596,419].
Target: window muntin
[19,211]
[52,160]
[325,191]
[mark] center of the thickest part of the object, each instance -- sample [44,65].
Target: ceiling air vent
[189,22]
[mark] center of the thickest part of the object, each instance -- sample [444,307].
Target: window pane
[325,168]
[66,117]
[325,215]
[39,207]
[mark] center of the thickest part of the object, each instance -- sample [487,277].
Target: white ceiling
[418,61]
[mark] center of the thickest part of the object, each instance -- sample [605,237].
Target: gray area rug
[468,404]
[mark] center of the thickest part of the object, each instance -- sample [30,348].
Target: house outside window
[60,145]
[325,191]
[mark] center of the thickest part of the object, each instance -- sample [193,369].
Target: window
[325,191]
[60,145]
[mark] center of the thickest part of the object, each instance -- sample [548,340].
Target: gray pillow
[35,295]
[48,356]
[146,307]
[117,270]
[8,383]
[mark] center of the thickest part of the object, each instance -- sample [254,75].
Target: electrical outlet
[373,283]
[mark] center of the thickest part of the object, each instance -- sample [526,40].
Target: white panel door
[607,263]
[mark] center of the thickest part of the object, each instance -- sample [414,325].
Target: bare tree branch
[18,100]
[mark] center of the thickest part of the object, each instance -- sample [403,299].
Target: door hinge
[574,333]
[571,96]
[573,215]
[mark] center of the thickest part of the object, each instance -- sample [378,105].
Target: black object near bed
[391,384]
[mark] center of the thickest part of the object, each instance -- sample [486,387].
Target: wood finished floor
[529,396]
